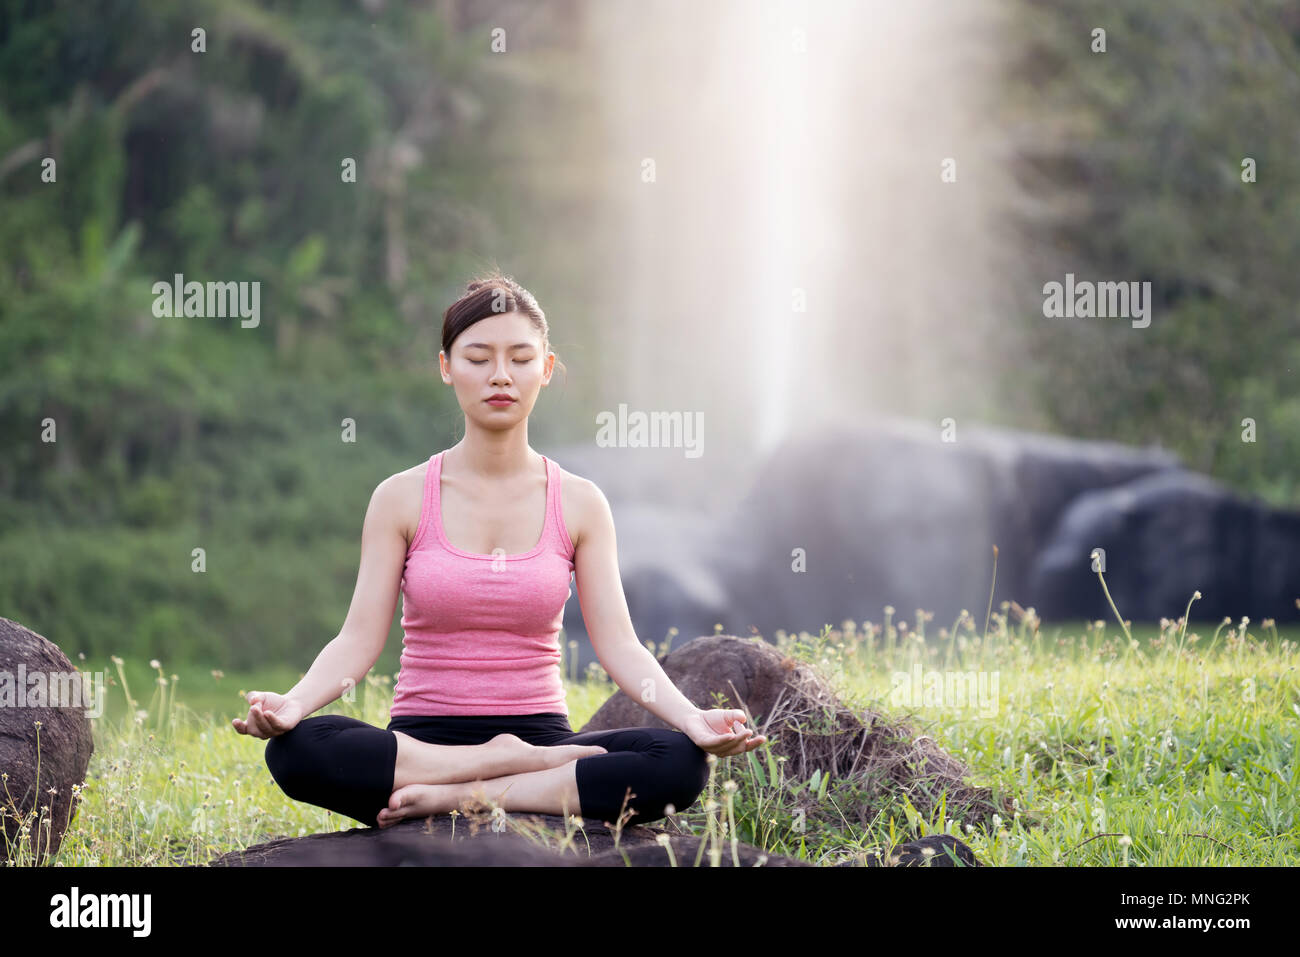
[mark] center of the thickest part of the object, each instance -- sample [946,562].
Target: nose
[501,373]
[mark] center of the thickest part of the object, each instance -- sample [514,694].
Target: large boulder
[890,514]
[1166,536]
[797,709]
[1033,478]
[719,671]
[430,843]
[478,841]
[667,578]
[46,740]
[839,523]
[665,511]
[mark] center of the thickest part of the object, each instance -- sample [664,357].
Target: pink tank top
[481,632]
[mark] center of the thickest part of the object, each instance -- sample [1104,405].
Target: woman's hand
[269,714]
[712,731]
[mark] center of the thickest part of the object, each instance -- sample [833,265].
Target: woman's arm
[343,662]
[609,625]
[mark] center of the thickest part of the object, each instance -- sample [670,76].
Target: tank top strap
[428,505]
[433,494]
[555,510]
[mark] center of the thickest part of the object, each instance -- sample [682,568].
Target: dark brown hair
[491,295]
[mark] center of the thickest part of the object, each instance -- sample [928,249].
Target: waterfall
[796,151]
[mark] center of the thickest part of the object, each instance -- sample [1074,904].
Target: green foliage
[177,433]
[183,433]
[1135,161]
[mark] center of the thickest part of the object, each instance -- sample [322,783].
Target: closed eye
[479,362]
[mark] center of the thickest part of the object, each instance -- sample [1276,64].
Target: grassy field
[1171,746]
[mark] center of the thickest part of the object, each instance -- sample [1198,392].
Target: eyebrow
[484,345]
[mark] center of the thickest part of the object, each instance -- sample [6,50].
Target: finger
[245,728]
[239,725]
[258,718]
[268,724]
[720,736]
[746,746]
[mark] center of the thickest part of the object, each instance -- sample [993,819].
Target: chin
[501,421]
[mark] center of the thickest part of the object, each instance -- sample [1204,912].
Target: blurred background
[822,228]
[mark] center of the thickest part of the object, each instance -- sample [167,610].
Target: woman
[481,541]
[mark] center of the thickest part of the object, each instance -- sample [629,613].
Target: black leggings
[348,766]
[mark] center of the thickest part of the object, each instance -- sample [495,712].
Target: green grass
[1172,749]
[1175,748]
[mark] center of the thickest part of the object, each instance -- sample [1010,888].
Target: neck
[495,454]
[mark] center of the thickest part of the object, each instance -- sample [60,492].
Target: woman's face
[500,354]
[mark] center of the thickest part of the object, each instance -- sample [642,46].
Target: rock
[796,708]
[1166,536]
[691,851]
[749,673]
[665,510]
[430,843]
[889,514]
[1033,478]
[666,580]
[65,738]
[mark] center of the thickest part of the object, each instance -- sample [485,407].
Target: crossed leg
[644,770]
[379,776]
[352,768]
[550,791]
[419,762]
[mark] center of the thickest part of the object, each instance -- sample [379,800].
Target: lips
[500,399]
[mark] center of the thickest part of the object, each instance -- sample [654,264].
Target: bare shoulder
[400,497]
[584,505]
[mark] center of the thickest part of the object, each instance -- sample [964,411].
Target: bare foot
[517,755]
[510,755]
[419,800]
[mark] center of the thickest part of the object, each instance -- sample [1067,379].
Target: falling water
[797,150]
